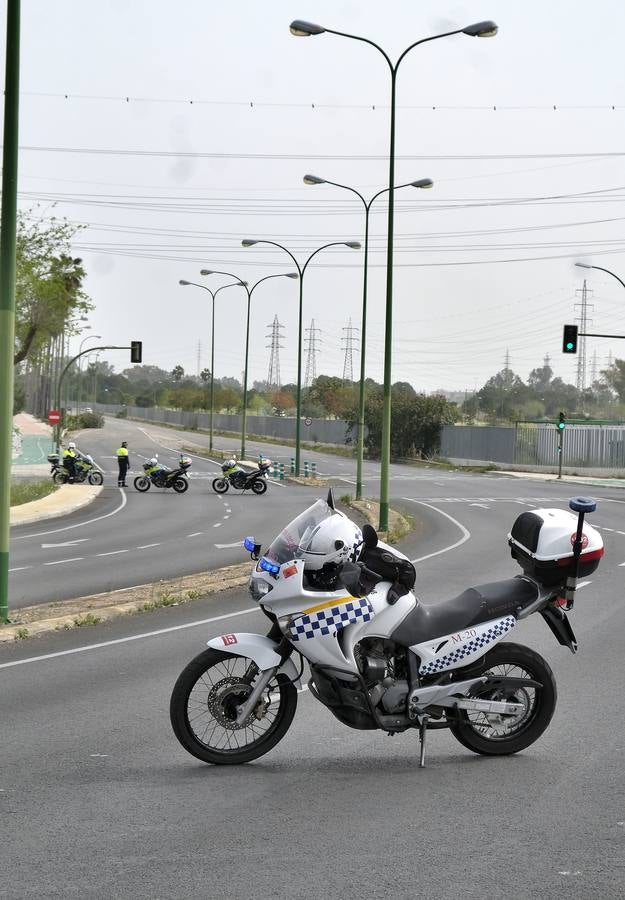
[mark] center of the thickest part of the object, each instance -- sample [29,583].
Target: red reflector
[290,570]
[585,557]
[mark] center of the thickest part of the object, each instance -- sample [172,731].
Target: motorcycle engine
[383,666]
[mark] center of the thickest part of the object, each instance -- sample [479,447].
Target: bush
[84,420]
[121,413]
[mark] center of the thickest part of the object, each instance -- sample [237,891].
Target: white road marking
[240,544]
[217,525]
[582,584]
[117,509]
[65,543]
[195,534]
[146,546]
[227,517]
[58,562]
[21,568]
[465,533]
[620,564]
[113,552]
[125,640]
[481,505]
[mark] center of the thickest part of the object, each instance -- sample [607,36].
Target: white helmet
[71,446]
[231,462]
[335,540]
[153,461]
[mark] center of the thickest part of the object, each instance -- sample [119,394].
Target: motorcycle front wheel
[220,485]
[142,483]
[95,478]
[203,709]
[60,477]
[180,485]
[259,486]
[496,735]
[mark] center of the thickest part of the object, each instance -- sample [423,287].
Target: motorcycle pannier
[541,541]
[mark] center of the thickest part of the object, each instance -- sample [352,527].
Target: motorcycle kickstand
[423,727]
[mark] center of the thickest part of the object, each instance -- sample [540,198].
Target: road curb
[66,615]
[67,499]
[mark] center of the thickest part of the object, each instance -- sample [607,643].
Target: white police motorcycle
[379,658]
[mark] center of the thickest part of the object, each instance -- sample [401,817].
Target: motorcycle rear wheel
[497,735]
[259,486]
[220,485]
[95,478]
[60,477]
[142,483]
[180,485]
[202,710]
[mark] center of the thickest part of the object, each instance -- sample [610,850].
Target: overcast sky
[172,131]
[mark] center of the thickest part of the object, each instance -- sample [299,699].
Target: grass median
[26,491]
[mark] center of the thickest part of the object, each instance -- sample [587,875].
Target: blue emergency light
[249,543]
[270,567]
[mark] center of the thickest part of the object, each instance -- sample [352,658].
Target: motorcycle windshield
[286,546]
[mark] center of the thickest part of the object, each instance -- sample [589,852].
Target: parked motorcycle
[236,477]
[162,476]
[380,658]
[84,467]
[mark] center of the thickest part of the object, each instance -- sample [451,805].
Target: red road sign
[54,416]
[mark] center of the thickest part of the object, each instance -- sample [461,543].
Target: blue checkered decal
[330,620]
[470,647]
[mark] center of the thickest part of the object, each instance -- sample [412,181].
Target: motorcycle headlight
[258,588]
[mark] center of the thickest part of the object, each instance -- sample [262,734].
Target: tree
[49,298]
[177,374]
[615,378]
[205,375]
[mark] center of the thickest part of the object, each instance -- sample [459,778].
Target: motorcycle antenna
[330,500]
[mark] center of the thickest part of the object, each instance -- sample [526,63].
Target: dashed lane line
[114,552]
[147,546]
[195,534]
[58,562]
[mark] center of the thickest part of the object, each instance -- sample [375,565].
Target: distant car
[87,409]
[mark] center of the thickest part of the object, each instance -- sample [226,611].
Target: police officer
[70,455]
[123,462]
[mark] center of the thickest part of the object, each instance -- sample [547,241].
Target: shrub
[84,420]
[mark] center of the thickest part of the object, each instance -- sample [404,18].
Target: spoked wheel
[180,485]
[220,485]
[259,486]
[493,734]
[60,477]
[95,478]
[142,483]
[203,709]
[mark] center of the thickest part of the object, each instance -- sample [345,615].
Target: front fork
[284,649]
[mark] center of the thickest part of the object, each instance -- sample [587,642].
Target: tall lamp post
[213,295]
[353,245]
[249,291]
[422,183]
[88,338]
[301,28]
[601,269]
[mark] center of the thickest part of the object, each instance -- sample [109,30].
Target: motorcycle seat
[472,607]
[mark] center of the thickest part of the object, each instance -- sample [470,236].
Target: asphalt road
[98,799]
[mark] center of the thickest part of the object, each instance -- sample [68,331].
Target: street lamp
[249,291]
[601,269]
[301,28]
[353,245]
[79,397]
[213,295]
[423,183]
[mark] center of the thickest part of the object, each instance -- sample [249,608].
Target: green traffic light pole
[422,183]
[57,403]
[8,239]
[249,291]
[213,295]
[353,245]
[301,28]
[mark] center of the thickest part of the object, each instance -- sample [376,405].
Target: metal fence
[533,445]
[313,431]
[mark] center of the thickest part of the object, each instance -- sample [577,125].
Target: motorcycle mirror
[330,502]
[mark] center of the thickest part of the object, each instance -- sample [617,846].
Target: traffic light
[135,351]
[569,339]
[561,421]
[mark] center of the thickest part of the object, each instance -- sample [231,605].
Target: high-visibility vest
[123,451]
